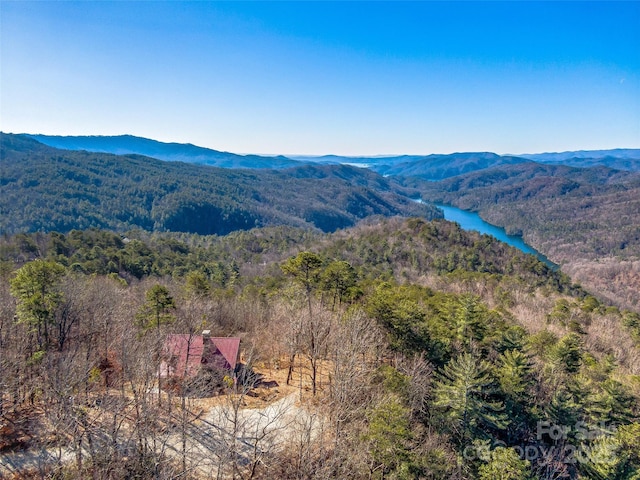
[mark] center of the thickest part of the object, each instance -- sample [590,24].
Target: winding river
[472,221]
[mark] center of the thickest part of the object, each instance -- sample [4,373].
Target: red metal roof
[185,354]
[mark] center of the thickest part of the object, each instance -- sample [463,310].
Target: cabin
[186,356]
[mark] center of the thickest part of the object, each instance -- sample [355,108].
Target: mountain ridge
[45,189]
[619,158]
[615,153]
[430,166]
[183,152]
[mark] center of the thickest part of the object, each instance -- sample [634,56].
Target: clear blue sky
[352,78]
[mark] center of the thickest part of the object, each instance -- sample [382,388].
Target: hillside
[586,219]
[180,152]
[44,188]
[399,348]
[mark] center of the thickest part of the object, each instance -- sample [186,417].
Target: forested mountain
[430,167]
[587,219]
[44,188]
[377,248]
[620,158]
[438,167]
[399,348]
[128,144]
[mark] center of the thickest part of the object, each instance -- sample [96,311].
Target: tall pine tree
[463,394]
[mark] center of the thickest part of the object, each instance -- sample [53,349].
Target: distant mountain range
[428,167]
[584,154]
[439,167]
[43,188]
[620,158]
[575,216]
[181,152]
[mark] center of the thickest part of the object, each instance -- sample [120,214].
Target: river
[472,221]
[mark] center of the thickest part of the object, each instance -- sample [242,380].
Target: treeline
[379,248]
[46,189]
[420,351]
[138,254]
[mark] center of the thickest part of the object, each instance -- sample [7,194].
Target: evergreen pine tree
[36,287]
[505,464]
[463,394]
[157,308]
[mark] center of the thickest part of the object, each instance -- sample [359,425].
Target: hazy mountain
[369,162]
[128,144]
[45,189]
[429,167]
[621,159]
[558,156]
[438,167]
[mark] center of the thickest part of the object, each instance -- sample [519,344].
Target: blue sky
[353,78]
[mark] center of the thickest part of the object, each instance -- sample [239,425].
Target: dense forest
[398,348]
[586,219]
[46,189]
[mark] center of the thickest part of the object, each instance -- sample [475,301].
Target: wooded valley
[585,219]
